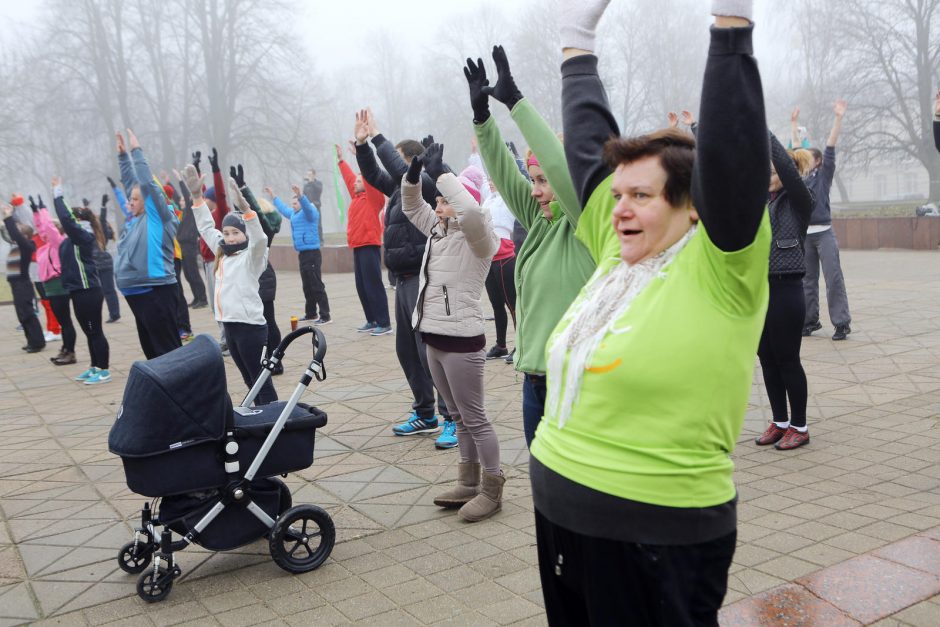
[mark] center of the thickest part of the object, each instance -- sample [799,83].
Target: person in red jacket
[364,236]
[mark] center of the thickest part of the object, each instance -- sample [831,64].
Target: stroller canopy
[173,401]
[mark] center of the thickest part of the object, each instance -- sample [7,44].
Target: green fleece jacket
[553,264]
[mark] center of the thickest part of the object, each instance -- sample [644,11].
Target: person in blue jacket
[304,224]
[83,237]
[144,265]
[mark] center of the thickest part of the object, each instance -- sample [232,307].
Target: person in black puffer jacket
[791,203]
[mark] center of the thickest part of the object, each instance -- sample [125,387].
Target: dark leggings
[60,307]
[182,309]
[779,350]
[501,288]
[245,343]
[274,332]
[87,304]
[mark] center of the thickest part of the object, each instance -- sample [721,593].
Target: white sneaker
[52,337]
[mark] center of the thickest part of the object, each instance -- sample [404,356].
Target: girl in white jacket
[449,316]
[241,255]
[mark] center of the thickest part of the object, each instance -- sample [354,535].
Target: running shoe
[377,331]
[416,425]
[448,437]
[792,439]
[101,376]
[321,321]
[52,337]
[368,327]
[87,374]
[497,352]
[771,436]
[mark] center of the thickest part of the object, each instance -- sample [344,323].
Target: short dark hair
[410,148]
[675,150]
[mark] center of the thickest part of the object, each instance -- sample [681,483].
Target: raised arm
[839,110]
[732,169]
[222,207]
[795,127]
[311,213]
[801,199]
[349,177]
[27,247]
[413,204]
[936,121]
[149,187]
[76,233]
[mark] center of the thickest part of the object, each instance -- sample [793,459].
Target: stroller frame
[135,556]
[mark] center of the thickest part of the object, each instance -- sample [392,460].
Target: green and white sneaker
[101,376]
[87,374]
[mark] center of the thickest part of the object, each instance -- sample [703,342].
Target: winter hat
[169,191]
[233,219]
[475,174]
[470,187]
[209,194]
[16,200]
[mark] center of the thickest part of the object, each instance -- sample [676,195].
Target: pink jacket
[47,256]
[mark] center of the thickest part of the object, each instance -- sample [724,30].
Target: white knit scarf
[592,317]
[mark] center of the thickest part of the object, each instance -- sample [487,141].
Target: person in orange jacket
[364,236]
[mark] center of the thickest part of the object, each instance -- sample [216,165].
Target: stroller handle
[319,342]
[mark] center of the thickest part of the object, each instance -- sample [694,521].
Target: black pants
[593,581]
[87,305]
[779,350]
[245,343]
[23,297]
[274,332]
[518,235]
[412,354]
[192,270]
[60,307]
[501,288]
[106,275]
[182,310]
[155,315]
[312,281]
[368,267]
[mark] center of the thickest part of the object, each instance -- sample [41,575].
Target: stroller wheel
[152,589]
[134,557]
[302,538]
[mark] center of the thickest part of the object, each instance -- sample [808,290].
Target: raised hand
[936,104]
[238,174]
[434,161]
[239,202]
[475,74]
[673,119]
[296,190]
[427,141]
[33,205]
[474,148]
[579,20]
[512,148]
[413,175]
[42,205]
[132,140]
[687,118]
[111,182]
[795,115]
[339,152]
[505,89]
[192,178]
[104,200]
[214,160]
[361,129]
[372,125]
[840,107]
[197,157]
[352,147]
[56,181]
[269,192]
[7,209]
[120,143]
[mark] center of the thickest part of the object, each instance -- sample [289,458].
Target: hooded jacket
[47,256]
[456,260]
[145,250]
[77,250]
[363,227]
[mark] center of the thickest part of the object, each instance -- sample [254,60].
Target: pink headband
[532,162]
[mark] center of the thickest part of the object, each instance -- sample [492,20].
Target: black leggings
[87,304]
[274,332]
[245,343]
[501,288]
[779,350]
[60,307]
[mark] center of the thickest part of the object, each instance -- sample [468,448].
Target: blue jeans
[533,405]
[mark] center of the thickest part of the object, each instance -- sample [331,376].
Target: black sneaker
[113,319]
[511,357]
[198,304]
[841,332]
[809,328]
[321,321]
[497,352]
[308,318]
[34,349]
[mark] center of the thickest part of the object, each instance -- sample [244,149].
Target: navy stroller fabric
[174,401]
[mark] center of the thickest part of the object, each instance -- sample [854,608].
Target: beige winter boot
[487,502]
[468,486]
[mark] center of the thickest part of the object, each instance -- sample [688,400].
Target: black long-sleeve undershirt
[936,134]
[800,197]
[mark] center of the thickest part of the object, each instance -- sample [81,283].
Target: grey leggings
[459,379]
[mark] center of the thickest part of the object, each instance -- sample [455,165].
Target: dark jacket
[404,244]
[790,209]
[936,134]
[18,267]
[267,282]
[76,252]
[819,182]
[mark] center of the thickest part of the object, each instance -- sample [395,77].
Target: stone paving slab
[869,479]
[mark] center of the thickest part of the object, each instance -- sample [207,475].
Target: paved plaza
[843,531]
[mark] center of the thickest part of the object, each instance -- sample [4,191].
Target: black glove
[505,90]
[214,160]
[104,200]
[479,99]
[42,205]
[413,175]
[33,205]
[197,157]
[434,161]
[111,182]
[85,203]
[238,174]
[427,141]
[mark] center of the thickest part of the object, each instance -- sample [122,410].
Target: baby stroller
[211,468]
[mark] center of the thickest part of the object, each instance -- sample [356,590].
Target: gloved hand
[197,157]
[85,203]
[513,149]
[478,83]
[505,89]
[427,141]
[33,205]
[434,161]
[111,182]
[192,178]
[578,22]
[104,200]
[42,205]
[734,8]
[413,175]
[239,204]
[214,160]
[238,174]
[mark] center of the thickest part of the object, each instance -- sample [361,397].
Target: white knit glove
[238,199]
[734,8]
[193,181]
[578,22]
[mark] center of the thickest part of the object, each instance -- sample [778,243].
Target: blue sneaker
[367,327]
[416,425]
[377,331]
[87,374]
[448,438]
[101,376]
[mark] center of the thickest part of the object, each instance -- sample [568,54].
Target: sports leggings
[60,307]
[501,288]
[779,350]
[87,304]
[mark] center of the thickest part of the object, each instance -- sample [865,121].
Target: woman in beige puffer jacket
[449,316]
